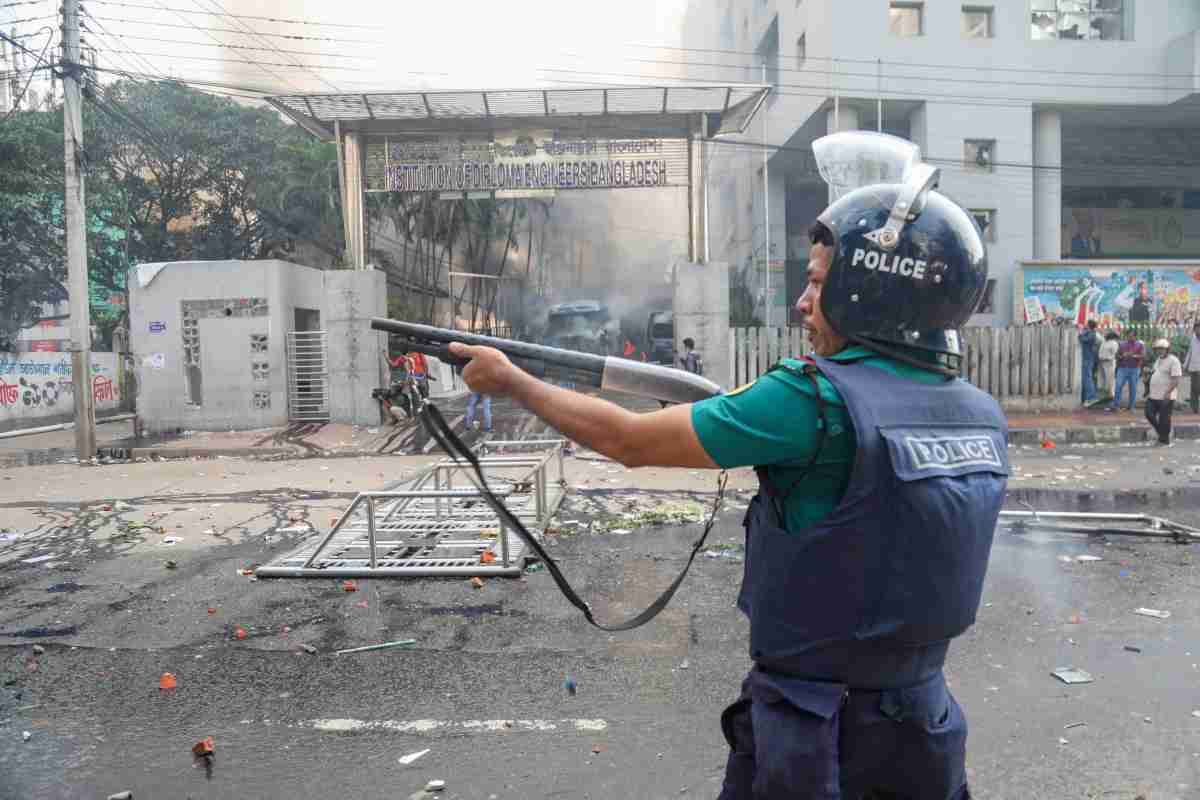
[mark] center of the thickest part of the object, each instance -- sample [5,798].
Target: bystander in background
[1164,383]
[1191,365]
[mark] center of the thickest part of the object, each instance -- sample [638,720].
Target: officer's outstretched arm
[659,438]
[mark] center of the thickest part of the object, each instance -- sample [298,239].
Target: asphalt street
[483,689]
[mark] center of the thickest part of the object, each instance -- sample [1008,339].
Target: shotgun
[666,384]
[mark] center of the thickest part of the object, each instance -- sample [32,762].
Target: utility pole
[77,271]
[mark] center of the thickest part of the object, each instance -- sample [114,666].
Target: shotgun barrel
[551,363]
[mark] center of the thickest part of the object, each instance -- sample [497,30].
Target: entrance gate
[307,376]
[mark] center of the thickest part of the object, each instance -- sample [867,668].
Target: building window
[987,301]
[905,19]
[1081,19]
[977,22]
[979,154]
[801,50]
[985,218]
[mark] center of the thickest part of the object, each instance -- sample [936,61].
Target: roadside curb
[132,453]
[1097,434]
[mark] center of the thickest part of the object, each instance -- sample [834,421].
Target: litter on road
[167,681]
[1072,675]
[1152,612]
[383,646]
[411,757]
[435,786]
[1133,649]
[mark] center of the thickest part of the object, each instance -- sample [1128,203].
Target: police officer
[881,480]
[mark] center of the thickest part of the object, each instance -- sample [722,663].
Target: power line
[988,68]
[218,41]
[236,47]
[239,16]
[33,19]
[821,92]
[188,81]
[243,33]
[827,91]
[108,37]
[17,100]
[245,61]
[250,30]
[893,77]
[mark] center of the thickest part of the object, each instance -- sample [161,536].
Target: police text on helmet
[887,262]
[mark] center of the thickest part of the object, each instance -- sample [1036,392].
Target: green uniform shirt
[773,422]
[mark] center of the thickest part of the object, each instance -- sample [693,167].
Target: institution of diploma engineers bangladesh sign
[553,165]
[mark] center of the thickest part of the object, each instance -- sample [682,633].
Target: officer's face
[825,340]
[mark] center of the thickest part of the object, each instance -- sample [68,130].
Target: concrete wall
[356,353]
[36,388]
[209,340]
[702,312]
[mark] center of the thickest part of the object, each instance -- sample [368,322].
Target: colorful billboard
[1113,296]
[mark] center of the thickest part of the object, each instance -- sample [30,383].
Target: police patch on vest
[880,261]
[925,452]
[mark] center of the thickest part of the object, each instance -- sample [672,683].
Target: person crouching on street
[1164,384]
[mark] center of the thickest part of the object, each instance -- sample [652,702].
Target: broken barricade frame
[434,528]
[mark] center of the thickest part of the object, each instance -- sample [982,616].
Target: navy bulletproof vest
[898,566]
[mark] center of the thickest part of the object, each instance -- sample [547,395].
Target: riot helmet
[909,266]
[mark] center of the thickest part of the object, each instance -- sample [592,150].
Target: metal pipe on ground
[64,426]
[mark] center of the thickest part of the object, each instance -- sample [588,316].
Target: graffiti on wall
[34,385]
[1112,296]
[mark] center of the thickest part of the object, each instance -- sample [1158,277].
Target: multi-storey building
[1071,129]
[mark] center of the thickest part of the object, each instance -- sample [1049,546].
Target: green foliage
[197,177]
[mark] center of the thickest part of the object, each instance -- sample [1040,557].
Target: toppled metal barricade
[433,527]
[1098,524]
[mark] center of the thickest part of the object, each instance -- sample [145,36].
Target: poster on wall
[1131,232]
[1111,296]
[37,385]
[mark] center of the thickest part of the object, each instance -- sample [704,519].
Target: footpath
[116,440]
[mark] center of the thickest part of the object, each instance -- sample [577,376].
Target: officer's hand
[489,372]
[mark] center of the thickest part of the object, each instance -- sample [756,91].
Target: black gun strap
[457,450]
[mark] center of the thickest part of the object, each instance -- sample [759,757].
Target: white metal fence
[1029,365]
[308,377]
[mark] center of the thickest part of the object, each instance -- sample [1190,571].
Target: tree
[32,247]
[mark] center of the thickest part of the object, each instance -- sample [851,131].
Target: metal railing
[307,376]
[433,527]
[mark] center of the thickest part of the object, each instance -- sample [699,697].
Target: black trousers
[1158,414]
[1195,398]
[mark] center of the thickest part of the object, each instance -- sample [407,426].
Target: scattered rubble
[411,757]
[1152,612]
[383,646]
[1072,675]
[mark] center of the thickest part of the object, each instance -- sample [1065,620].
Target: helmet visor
[850,160]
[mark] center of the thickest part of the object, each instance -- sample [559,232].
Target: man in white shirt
[1164,382]
[1191,365]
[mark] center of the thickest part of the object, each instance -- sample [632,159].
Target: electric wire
[251,31]
[239,16]
[275,75]
[293,36]
[17,100]
[873,61]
